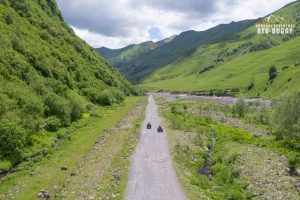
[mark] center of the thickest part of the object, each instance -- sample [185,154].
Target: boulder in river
[297,172]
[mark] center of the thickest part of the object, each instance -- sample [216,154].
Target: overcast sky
[117,23]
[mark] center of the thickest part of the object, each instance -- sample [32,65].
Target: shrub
[78,47]
[12,138]
[92,94]
[52,124]
[109,82]
[17,45]
[222,174]
[4,166]
[262,115]
[8,18]
[185,107]
[4,104]
[235,90]
[45,35]
[119,95]
[285,68]
[59,107]
[21,7]
[33,106]
[286,115]
[176,109]
[106,98]
[206,68]
[5,2]
[240,108]
[272,72]
[92,110]
[250,86]
[77,108]
[235,192]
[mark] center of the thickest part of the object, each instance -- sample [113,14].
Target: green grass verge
[46,173]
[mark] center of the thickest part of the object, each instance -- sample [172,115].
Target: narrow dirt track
[152,176]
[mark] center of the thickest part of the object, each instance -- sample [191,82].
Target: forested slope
[49,77]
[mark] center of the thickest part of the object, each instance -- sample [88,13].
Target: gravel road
[152,176]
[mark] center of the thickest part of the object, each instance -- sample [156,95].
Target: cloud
[122,22]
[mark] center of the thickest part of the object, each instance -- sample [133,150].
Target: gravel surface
[222,100]
[152,176]
[267,173]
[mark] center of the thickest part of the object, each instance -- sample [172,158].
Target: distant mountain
[127,53]
[205,61]
[124,58]
[145,62]
[238,65]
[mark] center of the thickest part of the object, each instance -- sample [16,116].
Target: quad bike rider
[160,129]
[148,125]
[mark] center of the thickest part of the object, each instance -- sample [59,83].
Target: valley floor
[243,165]
[93,164]
[115,158]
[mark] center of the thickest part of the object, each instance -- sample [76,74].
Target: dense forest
[49,77]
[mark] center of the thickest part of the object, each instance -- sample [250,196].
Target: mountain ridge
[213,69]
[181,45]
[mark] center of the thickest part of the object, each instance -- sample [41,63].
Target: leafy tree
[240,108]
[17,45]
[8,18]
[5,2]
[52,123]
[22,7]
[286,116]
[272,72]
[59,107]
[4,104]
[12,138]
[119,95]
[106,98]
[77,108]
[250,86]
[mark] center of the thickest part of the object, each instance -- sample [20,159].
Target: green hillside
[128,52]
[241,72]
[208,67]
[179,47]
[49,78]
[123,58]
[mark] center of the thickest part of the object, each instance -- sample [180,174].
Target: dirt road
[152,176]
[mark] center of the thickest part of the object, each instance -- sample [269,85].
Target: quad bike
[160,129]
[149,125]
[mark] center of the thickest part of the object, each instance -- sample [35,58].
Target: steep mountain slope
[180,46]
[48,77]
[212,57]
[240,73]
[128,52]
[124,58]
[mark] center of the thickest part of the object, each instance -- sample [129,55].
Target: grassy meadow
[246,155]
